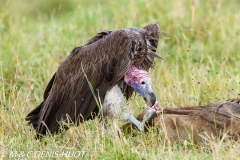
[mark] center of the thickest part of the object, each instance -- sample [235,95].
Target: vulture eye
[142,82]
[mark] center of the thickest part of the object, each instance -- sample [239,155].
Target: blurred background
[200,42]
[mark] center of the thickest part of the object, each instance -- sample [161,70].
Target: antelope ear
[154,31]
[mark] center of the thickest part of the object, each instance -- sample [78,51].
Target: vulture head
[140,81]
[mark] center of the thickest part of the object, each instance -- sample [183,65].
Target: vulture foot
[137,123]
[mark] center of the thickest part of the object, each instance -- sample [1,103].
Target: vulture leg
[137,123]
[115,107]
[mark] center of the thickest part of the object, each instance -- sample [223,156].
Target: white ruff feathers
[114,105]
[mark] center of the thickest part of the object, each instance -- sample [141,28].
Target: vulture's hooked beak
[143,86]
[150,99]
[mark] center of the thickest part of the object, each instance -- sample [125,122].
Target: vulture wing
[104,59]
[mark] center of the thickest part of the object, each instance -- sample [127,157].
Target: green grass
[200,44]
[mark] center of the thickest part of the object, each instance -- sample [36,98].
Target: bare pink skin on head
[134,73]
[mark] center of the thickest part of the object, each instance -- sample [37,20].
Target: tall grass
[199,42]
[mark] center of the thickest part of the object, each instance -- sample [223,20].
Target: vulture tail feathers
[32,117]
[49,86]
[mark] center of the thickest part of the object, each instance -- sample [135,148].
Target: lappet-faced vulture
[115,63]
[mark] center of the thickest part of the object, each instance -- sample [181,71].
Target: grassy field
[200,43]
